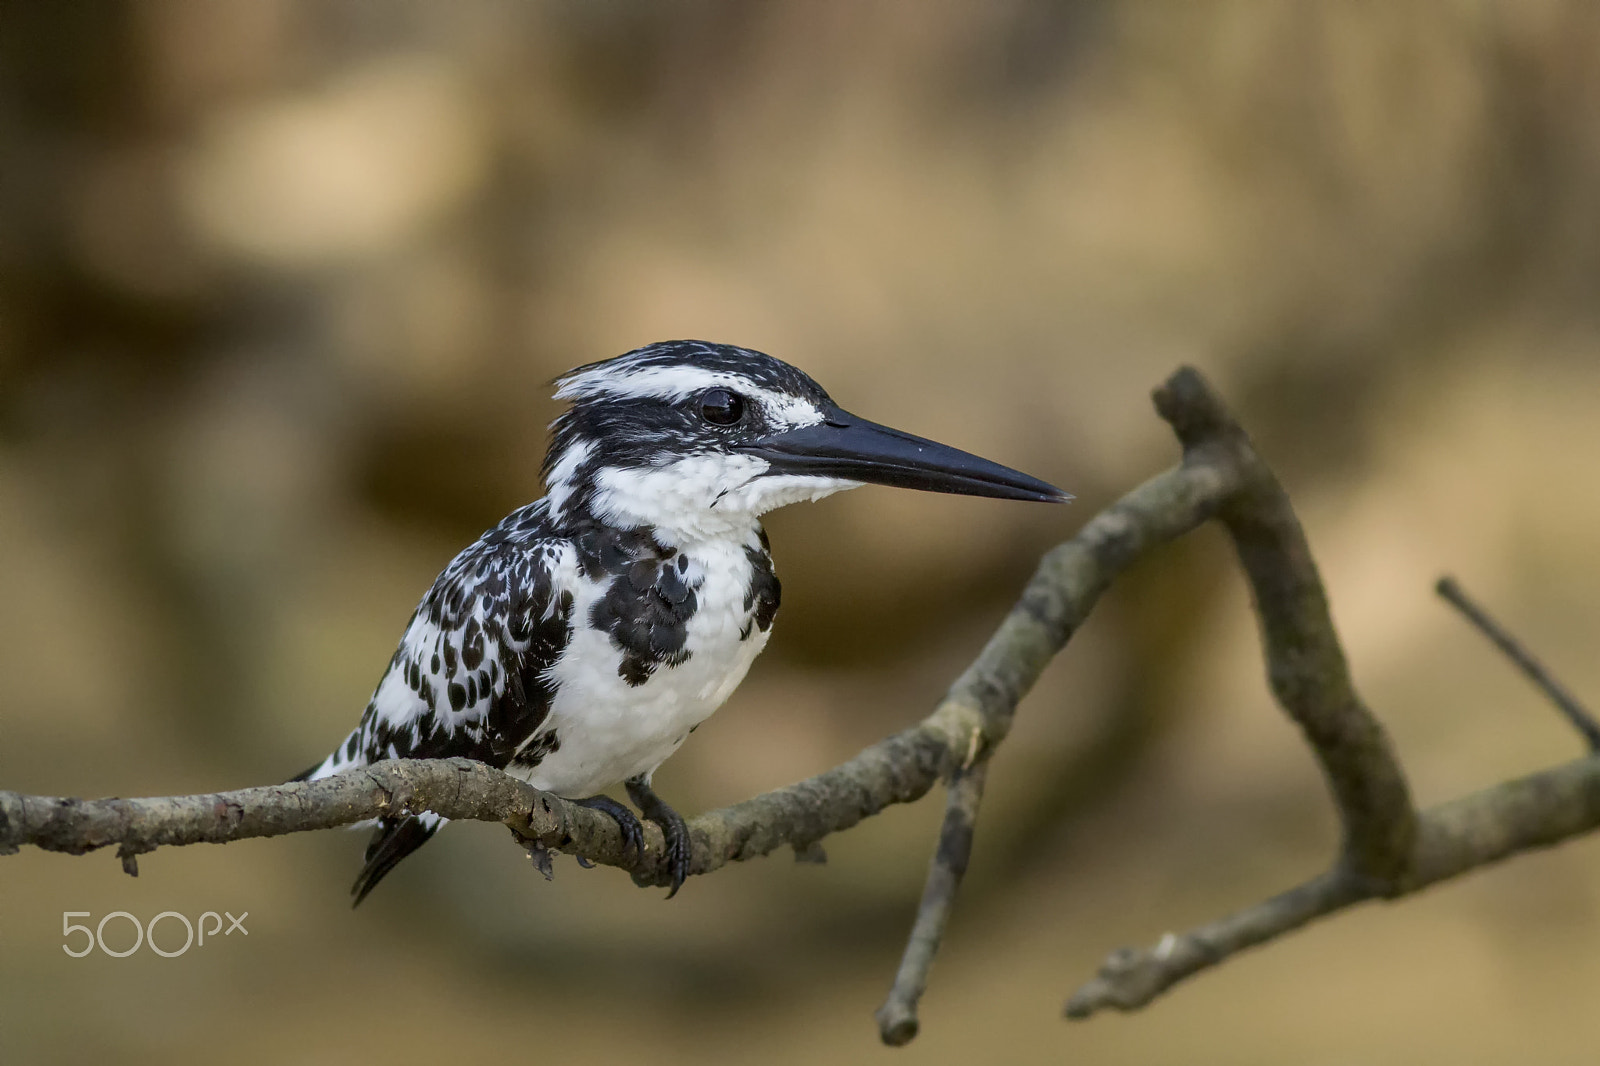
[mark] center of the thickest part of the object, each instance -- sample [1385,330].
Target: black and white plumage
[578,643]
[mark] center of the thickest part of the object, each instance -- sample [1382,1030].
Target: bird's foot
[680,853]
[632,831]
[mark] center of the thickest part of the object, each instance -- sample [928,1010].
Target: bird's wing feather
[469,676]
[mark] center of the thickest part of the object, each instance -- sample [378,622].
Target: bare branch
[1453,838]
[1536,671]
[1389,851]
[897,1018]
[1305,664]
[1132,977]
[455,788]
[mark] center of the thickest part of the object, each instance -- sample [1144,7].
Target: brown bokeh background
[282,285]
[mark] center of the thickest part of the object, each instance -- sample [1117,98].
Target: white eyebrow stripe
[671,383]
[666,382]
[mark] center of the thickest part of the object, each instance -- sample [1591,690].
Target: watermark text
[144,933]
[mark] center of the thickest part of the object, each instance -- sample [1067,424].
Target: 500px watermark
[145,934]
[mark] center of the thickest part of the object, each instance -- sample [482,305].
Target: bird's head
[701,439]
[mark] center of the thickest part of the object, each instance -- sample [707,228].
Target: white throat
[703,497]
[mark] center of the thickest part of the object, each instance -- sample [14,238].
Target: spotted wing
[470,677]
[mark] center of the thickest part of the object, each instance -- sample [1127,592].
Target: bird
[578,642]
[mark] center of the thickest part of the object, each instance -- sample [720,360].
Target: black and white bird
[580,641]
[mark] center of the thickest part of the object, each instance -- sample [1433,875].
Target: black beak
[844,446]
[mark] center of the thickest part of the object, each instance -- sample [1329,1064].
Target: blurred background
[283,284]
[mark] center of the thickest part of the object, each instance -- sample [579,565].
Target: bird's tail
[393,839]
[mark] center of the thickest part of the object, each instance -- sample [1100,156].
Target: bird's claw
[679,851]
[627,823]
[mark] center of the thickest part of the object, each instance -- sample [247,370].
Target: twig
[1132,977]
[897,1018]
[1310,679]
[1389,851]
[1536,671]
[1305,664]
[455,788]
[1452,839]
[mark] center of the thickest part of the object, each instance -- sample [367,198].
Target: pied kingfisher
[579,642]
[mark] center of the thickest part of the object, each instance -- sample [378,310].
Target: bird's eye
[721,407]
